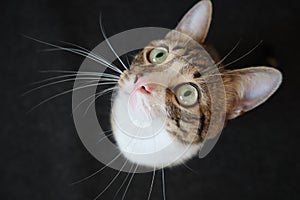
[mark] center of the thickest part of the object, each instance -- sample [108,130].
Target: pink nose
[147,88]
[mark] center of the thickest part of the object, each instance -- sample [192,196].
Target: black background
[256,157]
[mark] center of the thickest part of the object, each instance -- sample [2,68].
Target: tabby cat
[162,112]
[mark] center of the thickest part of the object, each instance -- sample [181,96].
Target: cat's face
[162,111]
[165,78]
[166,102]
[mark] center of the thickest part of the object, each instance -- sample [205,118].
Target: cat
[162,114]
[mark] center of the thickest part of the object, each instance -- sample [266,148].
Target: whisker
[82,48]
[151,186]
[108,43]
[60,94]
[163,183]
[80,52]
[80,73]
[90,82]
[246,54]
[76,75]
[124,181]
[97,96]
[110,130]
[86,50]
[96,172]
[99,60]
[69,80]
[111,182]
[131,55]
[105,136]
[94,95]
[229,53]
[127,60]
[226,56]
[129,182]
[192,170]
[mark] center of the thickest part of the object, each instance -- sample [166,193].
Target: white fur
[138,124]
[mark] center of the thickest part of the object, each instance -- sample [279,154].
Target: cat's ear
[248,88]
[196,21]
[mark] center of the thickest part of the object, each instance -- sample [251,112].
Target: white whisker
[107,41]
[86,50]
[124,181]
[70,80]
[99,94]
[246,54]
[209,69]
[88,55]
[62,93]
[105,136]
[123,197]
[98,74]
[76,75]
[163,183]
[192,170]
[227,55]
[96,172]
[127,60]
[111,182]
[94,95]
[80,52]
[151,186]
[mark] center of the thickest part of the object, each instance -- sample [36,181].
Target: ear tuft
[252,86]
[196,21]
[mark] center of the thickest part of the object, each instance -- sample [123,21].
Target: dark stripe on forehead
[197,56]
[202,124]
[195,50]
[193,64]
[177,47]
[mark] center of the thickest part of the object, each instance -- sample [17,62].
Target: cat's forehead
[181,50]
[184,46]
[185,56]
[176,44]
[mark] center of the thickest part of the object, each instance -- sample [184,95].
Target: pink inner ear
[257,85]
[197,20]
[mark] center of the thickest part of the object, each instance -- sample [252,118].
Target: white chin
[142,137]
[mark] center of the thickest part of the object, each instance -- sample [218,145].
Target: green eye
[186,94]
[158,55]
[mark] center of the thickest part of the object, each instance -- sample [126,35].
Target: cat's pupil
[159,55]
[187,93]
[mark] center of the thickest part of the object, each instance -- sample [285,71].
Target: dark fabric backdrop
[257,156]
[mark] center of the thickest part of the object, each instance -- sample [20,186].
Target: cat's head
[164,102]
